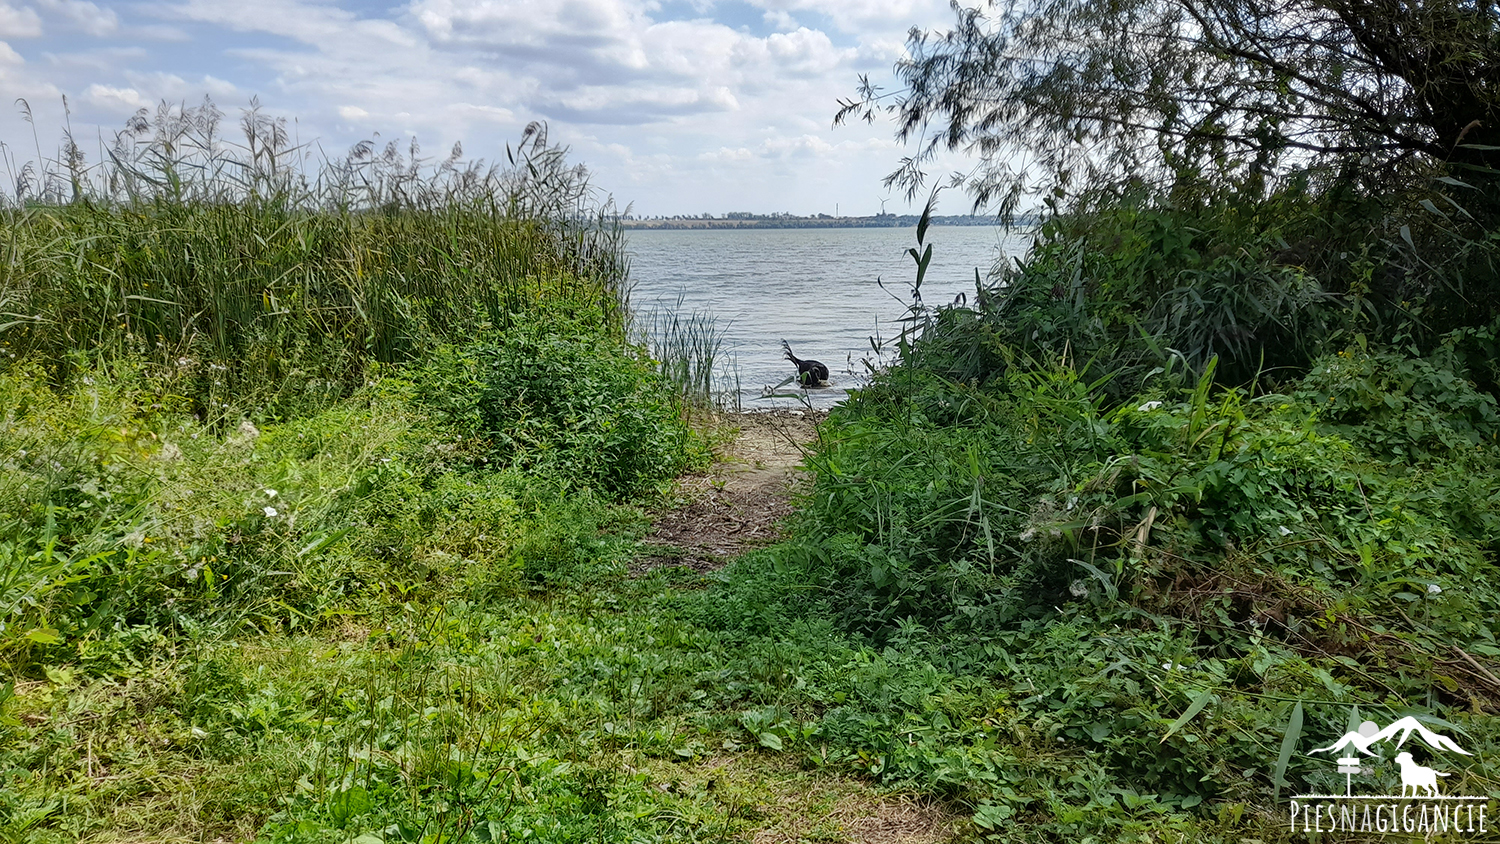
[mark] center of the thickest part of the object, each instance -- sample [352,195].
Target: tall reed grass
[689,350]
[241,267]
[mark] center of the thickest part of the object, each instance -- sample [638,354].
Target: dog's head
[1403,756]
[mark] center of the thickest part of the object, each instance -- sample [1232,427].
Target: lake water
[819,289]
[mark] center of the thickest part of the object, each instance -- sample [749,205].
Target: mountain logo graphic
[1370,733]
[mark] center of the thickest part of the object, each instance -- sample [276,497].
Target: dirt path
[739,502]
[738,505]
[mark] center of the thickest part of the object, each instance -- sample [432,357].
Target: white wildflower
[1150,405]
[270,512]
[270,493]
[1284,531]
[1434,589]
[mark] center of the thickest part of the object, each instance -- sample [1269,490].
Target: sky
[675,106]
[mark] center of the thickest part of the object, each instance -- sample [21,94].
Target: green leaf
[1193,709]
[322,541]
[926,219]
[347,805]
[1288,744]
[44,636]
[770,740]
[1104,580]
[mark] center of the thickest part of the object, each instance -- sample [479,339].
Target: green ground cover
[298,544]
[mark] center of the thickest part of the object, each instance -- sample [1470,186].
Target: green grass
[559,720]
[1153,591]
[320,492]
[350,624]
[402,614]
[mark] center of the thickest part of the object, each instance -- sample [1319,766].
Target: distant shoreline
[879,221]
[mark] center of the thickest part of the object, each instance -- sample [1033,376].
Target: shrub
[580,407]
[1402,407]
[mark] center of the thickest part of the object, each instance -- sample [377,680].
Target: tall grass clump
[246,269]
[689,351]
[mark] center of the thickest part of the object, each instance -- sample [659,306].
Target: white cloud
[523,22]
[492,114]
[19,21]
[156,86]
[737,155]
[84,15]
[159,32]
[216,87]
[679,112]
[806,51]
[794,147]
[20,81]
[780,19]
[118,100]
[158,83]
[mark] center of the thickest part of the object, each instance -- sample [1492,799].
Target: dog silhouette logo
[1414,776]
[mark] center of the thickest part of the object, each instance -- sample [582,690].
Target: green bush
[1402,407]
[1130,287]
[577,406]
[115,516]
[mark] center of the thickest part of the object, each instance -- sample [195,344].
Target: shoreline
[888,221]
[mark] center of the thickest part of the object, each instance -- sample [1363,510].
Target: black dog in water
[810,373]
